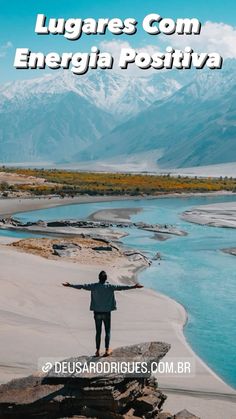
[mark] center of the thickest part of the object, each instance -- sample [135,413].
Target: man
[102,303]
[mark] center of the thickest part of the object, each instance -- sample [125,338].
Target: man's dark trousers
[100,318]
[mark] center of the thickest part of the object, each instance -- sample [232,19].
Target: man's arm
[86,287]
[126,287]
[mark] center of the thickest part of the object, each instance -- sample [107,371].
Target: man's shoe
[97,353]
[108,352]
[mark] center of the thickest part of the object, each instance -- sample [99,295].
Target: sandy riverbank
[117,215]
[39,318]
[214,215]
[15,205]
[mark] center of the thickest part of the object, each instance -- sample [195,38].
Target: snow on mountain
[121,95]
[55,117]
[186,119]
[50,130]
[195,126]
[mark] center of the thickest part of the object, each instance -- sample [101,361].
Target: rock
[65,249]
[184,414]
[158,228]
[230,251]
[130,414]
[78,223]
[14,222]
[157,256]
[155,228]
[135,256]
[161,237]
[148,403]
[107,242]
[40,223]
[164,415]
[102,248]
[58,223]
[111,396]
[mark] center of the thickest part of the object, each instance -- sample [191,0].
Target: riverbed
[193,270]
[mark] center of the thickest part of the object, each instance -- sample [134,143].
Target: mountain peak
[120,94]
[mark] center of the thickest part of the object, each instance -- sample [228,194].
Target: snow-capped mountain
[50,129]
[121,95]
[55,117]
[194,126]
[102,115]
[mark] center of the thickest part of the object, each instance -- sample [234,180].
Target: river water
[193,271]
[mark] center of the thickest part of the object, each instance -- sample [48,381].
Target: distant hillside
[50,128]
[195,126]
[174,119]
[54,117]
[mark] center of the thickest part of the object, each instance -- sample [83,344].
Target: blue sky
[17,21]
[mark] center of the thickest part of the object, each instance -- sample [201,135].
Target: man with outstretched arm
[102,303]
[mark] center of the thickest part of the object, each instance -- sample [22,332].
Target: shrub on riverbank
[73,183]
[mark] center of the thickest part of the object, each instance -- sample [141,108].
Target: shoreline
[9,206]
[134,271]
[116,215]
[213,215]
[160,319]
[207,381]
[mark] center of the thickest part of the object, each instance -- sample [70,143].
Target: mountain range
[181,120]
[54,117]
[194,126]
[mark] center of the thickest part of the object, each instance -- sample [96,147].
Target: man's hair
[102,277]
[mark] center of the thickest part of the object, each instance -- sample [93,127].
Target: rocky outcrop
[135,255]
[161,228]
[90,395]
[184,414]
[165,230]
[66,249]
[102,248]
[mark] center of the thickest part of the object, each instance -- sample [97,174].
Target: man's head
[102,277]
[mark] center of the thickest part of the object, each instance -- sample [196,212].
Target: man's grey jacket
[103,295]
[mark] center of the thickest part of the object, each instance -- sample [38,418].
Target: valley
[162,122]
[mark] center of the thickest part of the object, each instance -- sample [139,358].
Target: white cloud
[114,47]
[214,37]
[4,48]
